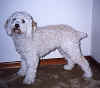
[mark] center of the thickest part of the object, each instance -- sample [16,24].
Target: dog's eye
[14,19]
[23,21]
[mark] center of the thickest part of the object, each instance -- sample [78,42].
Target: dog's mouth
[17,30]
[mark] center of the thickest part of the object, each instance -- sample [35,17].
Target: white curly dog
[33,42]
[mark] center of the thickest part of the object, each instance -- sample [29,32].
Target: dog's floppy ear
[6,26]
[34,25]
[31,29]
[6,23]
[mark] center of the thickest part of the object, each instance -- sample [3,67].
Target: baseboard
[16,64]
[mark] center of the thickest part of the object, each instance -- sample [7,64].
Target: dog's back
[58,30]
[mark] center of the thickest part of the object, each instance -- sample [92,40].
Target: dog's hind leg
[70,63]
[77,58]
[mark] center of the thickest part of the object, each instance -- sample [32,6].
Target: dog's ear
[31,29]
[34,25]
[6,23]
[6,26]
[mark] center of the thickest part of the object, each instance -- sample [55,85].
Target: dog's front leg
[32,64]
[22,70]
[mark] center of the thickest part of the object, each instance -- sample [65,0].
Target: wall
[76,13]
[96,30]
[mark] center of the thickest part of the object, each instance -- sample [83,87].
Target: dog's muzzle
[17,29]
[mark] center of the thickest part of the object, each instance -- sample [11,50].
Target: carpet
[53,76]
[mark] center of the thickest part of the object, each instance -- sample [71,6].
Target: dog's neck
[21,38]
[22,44]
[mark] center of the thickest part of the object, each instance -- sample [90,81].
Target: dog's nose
[16,25]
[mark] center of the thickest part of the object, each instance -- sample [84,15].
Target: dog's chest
[21,45]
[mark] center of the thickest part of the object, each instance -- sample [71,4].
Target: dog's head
[20,23]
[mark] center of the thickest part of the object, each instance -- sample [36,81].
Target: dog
[34,42]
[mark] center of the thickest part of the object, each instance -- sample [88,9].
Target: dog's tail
[83,35]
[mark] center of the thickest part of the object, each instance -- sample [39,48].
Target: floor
[53,76]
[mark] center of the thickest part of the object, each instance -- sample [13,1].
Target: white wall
[76,13]
[96,30]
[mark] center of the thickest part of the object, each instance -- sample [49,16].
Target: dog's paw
[28,81]
[21,72]
[68,67]
[87,75]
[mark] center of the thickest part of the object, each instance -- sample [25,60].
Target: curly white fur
[32,45]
